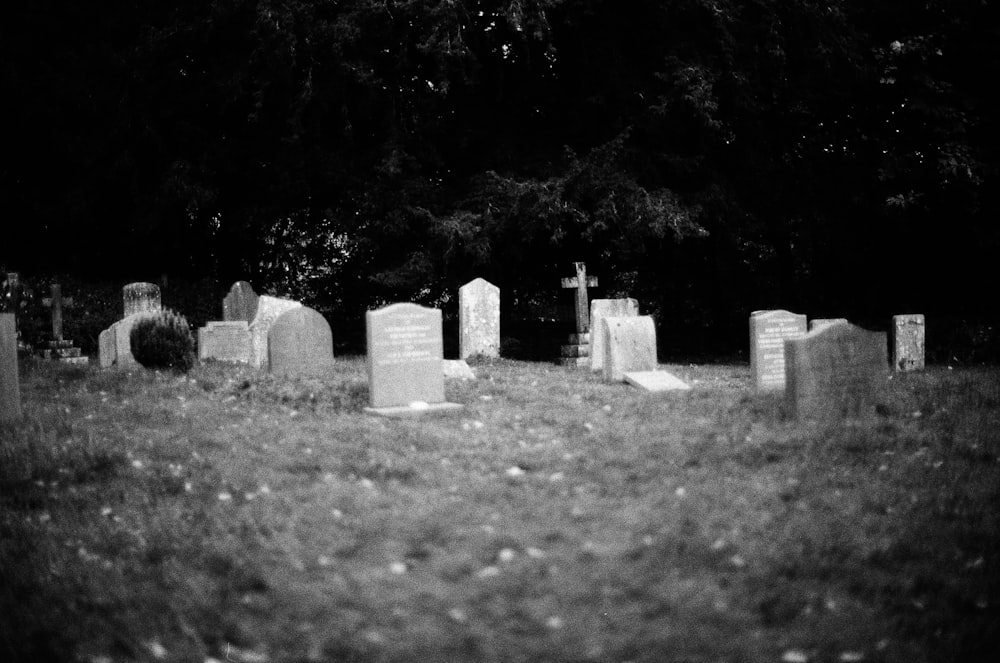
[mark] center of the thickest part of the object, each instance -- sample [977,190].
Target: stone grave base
[575,362]
[656,381]
[414,410]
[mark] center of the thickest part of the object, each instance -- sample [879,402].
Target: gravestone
[59,348]
[629,345]
[300,344]
[577,351]
[10,387]
[656,381]
[225,341]
[107,349]
[908,342]
[606,308]
[478,319]
[768,331]
[122,331]
[405,352]
[457,369]
[816,323]
[240,303]
[268,310]
[838,370]
[140,298]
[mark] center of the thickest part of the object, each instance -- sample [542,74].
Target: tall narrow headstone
[768,331]
[478,319]
[240,303]
[268,310]
[107,347]
[300,343]
[606,308]
[141,298]
[838,370]
[908,342]
[629,345]
[10,387]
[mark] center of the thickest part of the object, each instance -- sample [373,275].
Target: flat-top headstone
[768,331]
[629,345]
[240,303]
[300,343]
[656,381]
[838,370]
[10,387]
[908,342]
[123,338]
[140,298]
[816,323]
[268,310]
[606,308]
[225,341]
[478,319]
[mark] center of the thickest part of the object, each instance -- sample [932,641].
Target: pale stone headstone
[606,308]
[816,323]
[107,347]
[838,370]
[768,331]
[123,338]
[300,343]
[629,345]
[240,303]
[141,298]
[405,353]
[225,341]
[478,319]
[457,369]
[908,342]
[268,310]
[656,381]
[10,387]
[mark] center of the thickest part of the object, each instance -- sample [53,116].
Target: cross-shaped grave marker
[60,349]
[577,352]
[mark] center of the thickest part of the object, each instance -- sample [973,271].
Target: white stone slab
[457,369]
[656,381]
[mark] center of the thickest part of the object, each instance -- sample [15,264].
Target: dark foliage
[163,341]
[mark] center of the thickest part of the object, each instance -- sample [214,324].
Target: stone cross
[581,282]
[56,303]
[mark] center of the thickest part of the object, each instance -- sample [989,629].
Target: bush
[163,340]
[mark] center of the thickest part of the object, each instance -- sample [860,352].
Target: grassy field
[231,516]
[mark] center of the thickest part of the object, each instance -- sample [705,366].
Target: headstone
[629,345]
[838,370]
[457,369]
[478,319]
[300,343]
[107,347]
[141,298]
[908,334]
[656,381]
[240,303]
[59,348]
[577,351]
[268,310]
[405,351]
[768,331]
[10,387]
[816,323]
[225,341]
[606,308]
[123,338]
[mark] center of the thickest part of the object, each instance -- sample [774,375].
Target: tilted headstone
[123,338]
[838,370]
[768,331]
[300,343]
[10,387]
[225,341]
[405,352]
[107,348]
[816,323]
[478,319]
[908,342]
[140,298]
[606,308]
[268,310]
[240,303]
[629,345]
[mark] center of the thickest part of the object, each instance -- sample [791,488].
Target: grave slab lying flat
[656,381]
[415,409]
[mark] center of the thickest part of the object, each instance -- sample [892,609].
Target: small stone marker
[816,323]
[577,352]
[768,331]
[405,353]
[457,369]
[656,381]
[107,347]
[606,308]
[629,346]
[140,298]
[908,342]
[478,319]
[838,370]
[300,343]
[10,387]
[225,341]
[60,348]
[268,310]
[240,303]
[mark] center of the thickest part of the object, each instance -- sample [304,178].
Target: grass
[228,515]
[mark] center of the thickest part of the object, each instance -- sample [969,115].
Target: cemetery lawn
[232,516]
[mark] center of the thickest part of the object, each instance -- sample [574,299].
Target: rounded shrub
[163,340]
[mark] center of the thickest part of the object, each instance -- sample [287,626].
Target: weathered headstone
[300,343]
[606,308]
[577,351]
[478,319]
[240,303]
[838,370]
[457,369]
[123,338]
[107,348]
[140,298]
[405,352]
[225,341]
[10,387]
[656,381]
[768,331]
[816,323]
[908,341]
[59,348]
[268,310]
[629,345]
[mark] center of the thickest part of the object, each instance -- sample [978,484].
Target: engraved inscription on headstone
[405,351]
[908,342]
[768,331]
[225,341]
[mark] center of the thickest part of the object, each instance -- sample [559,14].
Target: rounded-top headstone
[240,303]
[141,298]
[479,319]
[300,343]
[269,309]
